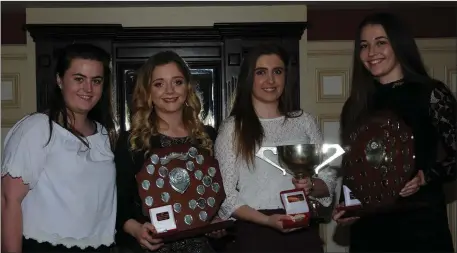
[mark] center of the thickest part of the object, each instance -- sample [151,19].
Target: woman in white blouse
[58,174]
[262,115]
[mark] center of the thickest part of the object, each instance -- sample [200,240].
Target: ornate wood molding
[73,31]
[264,29]
[167,34]
[116,32]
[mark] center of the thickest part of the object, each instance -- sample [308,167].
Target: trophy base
[351,211]
[176,235]
[360,211]
[297,207]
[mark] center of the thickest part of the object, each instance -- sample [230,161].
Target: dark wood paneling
[185,52]
[74,32]
[325,24]
[432,22]
[168,34]
[219,48]
[12,23]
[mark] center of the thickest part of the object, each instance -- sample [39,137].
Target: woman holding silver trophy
[389,75]
[165,116]
[262,116]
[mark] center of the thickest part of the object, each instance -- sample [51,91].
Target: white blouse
[72,198]
[259,187]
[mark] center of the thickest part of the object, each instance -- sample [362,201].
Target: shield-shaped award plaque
[181,191]
[379,161]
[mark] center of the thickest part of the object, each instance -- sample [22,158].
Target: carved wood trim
[73,31]
[117,32]
[168,34]
[264,29]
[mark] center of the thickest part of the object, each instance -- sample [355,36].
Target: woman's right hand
[336,215]
[144,235]
[275,221]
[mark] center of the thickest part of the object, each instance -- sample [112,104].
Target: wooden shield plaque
[380,160]
[185,180]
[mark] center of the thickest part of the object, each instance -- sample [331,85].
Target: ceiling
[18,5]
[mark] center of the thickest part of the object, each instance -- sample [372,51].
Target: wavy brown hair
[145,121]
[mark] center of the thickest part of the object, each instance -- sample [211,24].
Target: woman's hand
[336,215]
[312,186]
[305,184]
[414,185]
[144,235]
[275,221]
[217,233]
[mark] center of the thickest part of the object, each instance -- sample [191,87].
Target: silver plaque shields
[188,180]
[379,162]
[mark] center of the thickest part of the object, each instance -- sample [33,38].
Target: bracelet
[312,185]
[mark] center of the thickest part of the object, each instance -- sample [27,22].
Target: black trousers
[424,230]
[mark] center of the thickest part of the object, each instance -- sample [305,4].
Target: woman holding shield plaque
[390,75]
[262,115]
[165,115]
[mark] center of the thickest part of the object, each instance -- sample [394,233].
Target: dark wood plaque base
[359,211]
[176,235]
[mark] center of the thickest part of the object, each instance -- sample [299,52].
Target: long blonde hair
[145,121]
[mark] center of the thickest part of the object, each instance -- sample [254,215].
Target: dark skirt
[251,237]
[32,246]
[190,245]
[424,230]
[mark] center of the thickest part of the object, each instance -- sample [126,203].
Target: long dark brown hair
[363,82]
[248,129]
[102,111]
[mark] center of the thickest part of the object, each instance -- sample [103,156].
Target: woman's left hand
[305,184]
[414,185]
[217,233]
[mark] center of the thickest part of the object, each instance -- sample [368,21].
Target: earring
[187,104]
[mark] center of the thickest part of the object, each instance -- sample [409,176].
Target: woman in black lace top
[388,74]
[166,109]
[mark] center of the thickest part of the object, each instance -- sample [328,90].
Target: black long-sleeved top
[430,109]
[128,164]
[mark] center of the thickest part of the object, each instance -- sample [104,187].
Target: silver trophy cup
[303,161]
[299,160]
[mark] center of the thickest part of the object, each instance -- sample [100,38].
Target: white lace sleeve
[24,151]
[225,153]
[328,175]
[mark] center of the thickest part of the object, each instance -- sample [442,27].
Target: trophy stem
[300,176]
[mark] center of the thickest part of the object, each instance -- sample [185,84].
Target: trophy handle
[325,148]
[260,154]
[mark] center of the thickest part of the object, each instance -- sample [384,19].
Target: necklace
[398,83]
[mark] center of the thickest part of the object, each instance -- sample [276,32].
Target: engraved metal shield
[188,179]
[179,179]
[380,160]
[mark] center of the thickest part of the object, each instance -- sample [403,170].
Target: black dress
[430,110]
[128,164]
